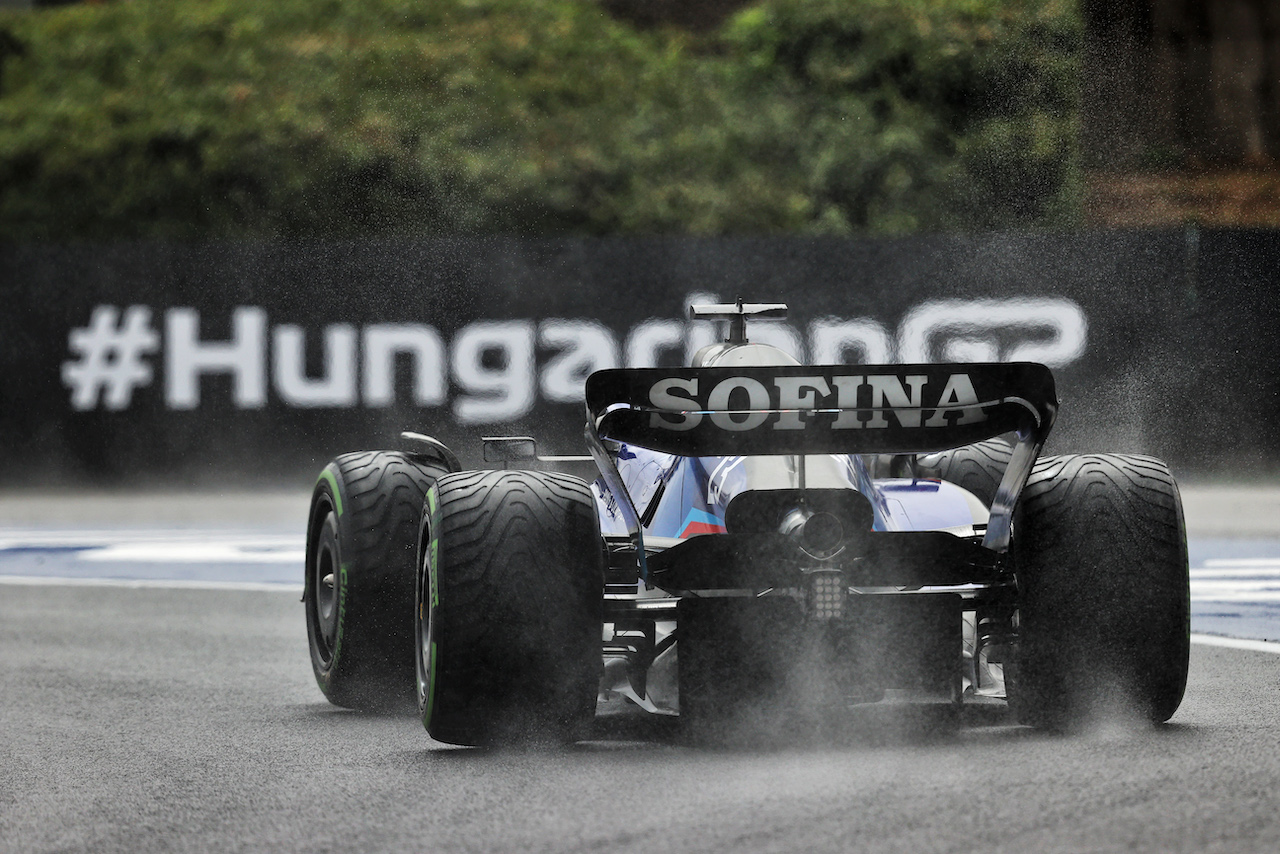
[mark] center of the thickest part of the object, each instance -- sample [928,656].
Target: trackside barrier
[218,362]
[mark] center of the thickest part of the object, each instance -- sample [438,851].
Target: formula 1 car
[759,538]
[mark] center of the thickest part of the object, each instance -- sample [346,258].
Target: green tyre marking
[327,475]
[433,545]
[433,551]
[342,615]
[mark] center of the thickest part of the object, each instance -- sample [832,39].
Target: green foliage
[200,118]
[925,114]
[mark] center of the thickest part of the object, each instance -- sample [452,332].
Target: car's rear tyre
[362,537]
[508,615]
[977,468]
[1100,554]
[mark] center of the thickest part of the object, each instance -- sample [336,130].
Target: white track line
[1240,572]
[1237,643]
[241,551]
[1205,588]
[218,547]
[150,583]
[1218,562]
[33,539]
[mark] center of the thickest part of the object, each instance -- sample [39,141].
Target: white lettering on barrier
[780,335]
[493,363]
[337,388]
[497,376]
[111,359]
[649,339]
[833,338]
[382,343]
[585,347]
[187,357]
[1051,331]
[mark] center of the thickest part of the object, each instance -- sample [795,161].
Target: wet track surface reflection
[168,719]
[159,697]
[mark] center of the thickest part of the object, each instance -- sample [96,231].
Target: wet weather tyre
[362,538]
[977,467]
[1100,554]
[509,609]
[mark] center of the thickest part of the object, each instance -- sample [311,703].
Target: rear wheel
[1104,612]
[509,608]
[358,590]
[977,468]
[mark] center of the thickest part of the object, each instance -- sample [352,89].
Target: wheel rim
[422,623]
[325,567]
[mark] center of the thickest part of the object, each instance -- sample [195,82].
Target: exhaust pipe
[818,534]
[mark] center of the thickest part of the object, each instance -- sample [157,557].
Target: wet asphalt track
[173,720]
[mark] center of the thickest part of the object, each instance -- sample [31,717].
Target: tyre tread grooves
[1100,550]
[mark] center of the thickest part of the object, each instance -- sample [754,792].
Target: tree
[1181,82]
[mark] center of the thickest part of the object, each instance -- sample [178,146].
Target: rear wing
[834,409]
[829,409]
